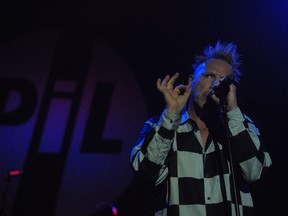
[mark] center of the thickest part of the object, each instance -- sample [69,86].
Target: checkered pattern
[198,180]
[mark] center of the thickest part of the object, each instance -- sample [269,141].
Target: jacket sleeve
[246,146]
[150,155]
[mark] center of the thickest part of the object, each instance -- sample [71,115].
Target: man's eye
[208,75]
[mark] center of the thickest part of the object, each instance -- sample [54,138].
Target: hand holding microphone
[222,89]
[224,92]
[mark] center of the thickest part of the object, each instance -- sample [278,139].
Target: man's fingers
[182,89]
[162,84]
[168,83]
[158,84]
[173,79]
[165,81]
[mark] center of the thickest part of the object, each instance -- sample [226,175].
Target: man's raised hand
[175,98]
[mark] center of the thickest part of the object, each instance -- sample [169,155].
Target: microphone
[223,89]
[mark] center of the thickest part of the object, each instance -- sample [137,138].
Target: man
[187,153]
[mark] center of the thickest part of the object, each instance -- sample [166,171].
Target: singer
[184,153]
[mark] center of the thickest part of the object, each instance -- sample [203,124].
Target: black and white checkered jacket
[198,180]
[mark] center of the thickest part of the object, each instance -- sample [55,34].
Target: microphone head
[223,89]
[229,79]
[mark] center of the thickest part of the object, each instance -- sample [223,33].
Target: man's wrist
[169,120]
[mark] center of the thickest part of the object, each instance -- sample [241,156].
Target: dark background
[161,37]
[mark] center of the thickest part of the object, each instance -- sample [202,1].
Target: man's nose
[217,80]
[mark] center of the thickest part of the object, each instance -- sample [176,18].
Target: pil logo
[70,113]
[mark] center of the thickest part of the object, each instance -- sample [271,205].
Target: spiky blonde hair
[224,51]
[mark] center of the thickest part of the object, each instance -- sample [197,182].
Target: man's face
[205,76]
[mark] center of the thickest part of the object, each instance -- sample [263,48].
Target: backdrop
[77,82]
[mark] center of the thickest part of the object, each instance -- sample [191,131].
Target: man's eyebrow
[209,73]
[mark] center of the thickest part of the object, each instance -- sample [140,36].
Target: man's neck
[192,115]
